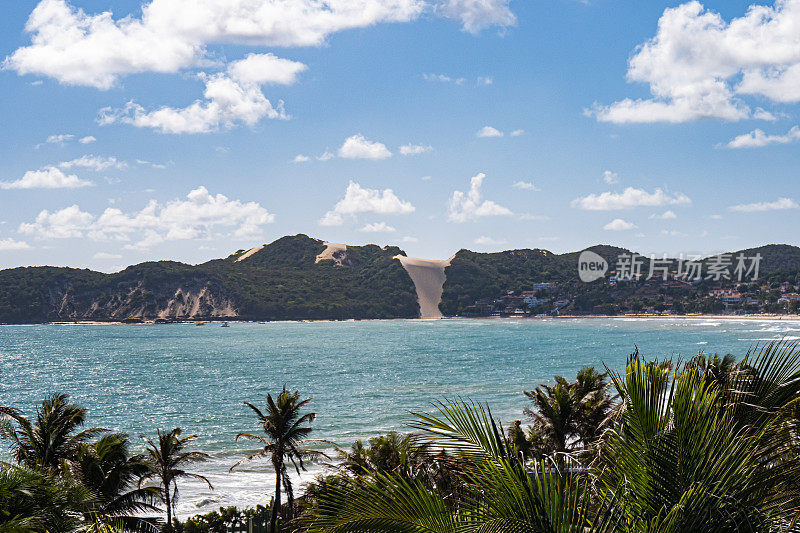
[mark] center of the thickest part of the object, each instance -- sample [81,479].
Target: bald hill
[292,279]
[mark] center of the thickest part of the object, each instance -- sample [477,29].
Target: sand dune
[428,277]
[333,250]
[249,252]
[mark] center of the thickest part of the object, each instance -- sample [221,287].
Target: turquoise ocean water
[363,377]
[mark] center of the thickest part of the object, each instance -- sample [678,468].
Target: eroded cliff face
[194,300]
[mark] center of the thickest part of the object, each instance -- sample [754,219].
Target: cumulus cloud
[79,48]
[757,138]
[666,215]
[325,156]
[415,149]
[46,178]
[619,224]
[470,205]
[7,245]
[485,80]
[94,162]
[517,133]
[525,186]
[358,199]
[300,158]
[227,103]
[699,66]
[358,147]
[778,205]
[261,69]
[59,138]
[628,199]
[87,140]
[199,215]
[610,177]
[378,227]
[488,131]
[477,15]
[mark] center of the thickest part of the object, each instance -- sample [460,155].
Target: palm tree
[286,433]
[676,459]
[567,415]
[167,459]
[107,468]
[53,438]
[36,499]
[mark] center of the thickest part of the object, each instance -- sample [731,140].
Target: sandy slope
[249,252]
[333,250]
[428,277]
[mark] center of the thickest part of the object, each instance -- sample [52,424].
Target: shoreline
[189,322]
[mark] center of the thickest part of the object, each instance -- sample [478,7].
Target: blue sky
[662,127]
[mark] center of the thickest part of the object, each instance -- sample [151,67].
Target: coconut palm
[167,459]
[676,459]
[107,468]
[286,433]
[36,499]
[53,438]
[569,415]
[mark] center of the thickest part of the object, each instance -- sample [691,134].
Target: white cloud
[87,140]
[46,178]
[715,217]
[260,69]
[61,138]
[377,227]
[106,255]
[778,205]
[227,103]
[517,133]
[488,241]
[699,66]
[525,186]
[408,238]
[463,207]
[488,131]
[151,164]
[69,222]
[300,158]
[358,199]
[666,215]
[485,80]
[672,233]
[629,198]
[78,48]
[94,162]
[199,215]
[358,147]
[325,156]
[619,225]
[443,78]
[476,15]
[7,245]
[610,177]
[757,138]
[415,149]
